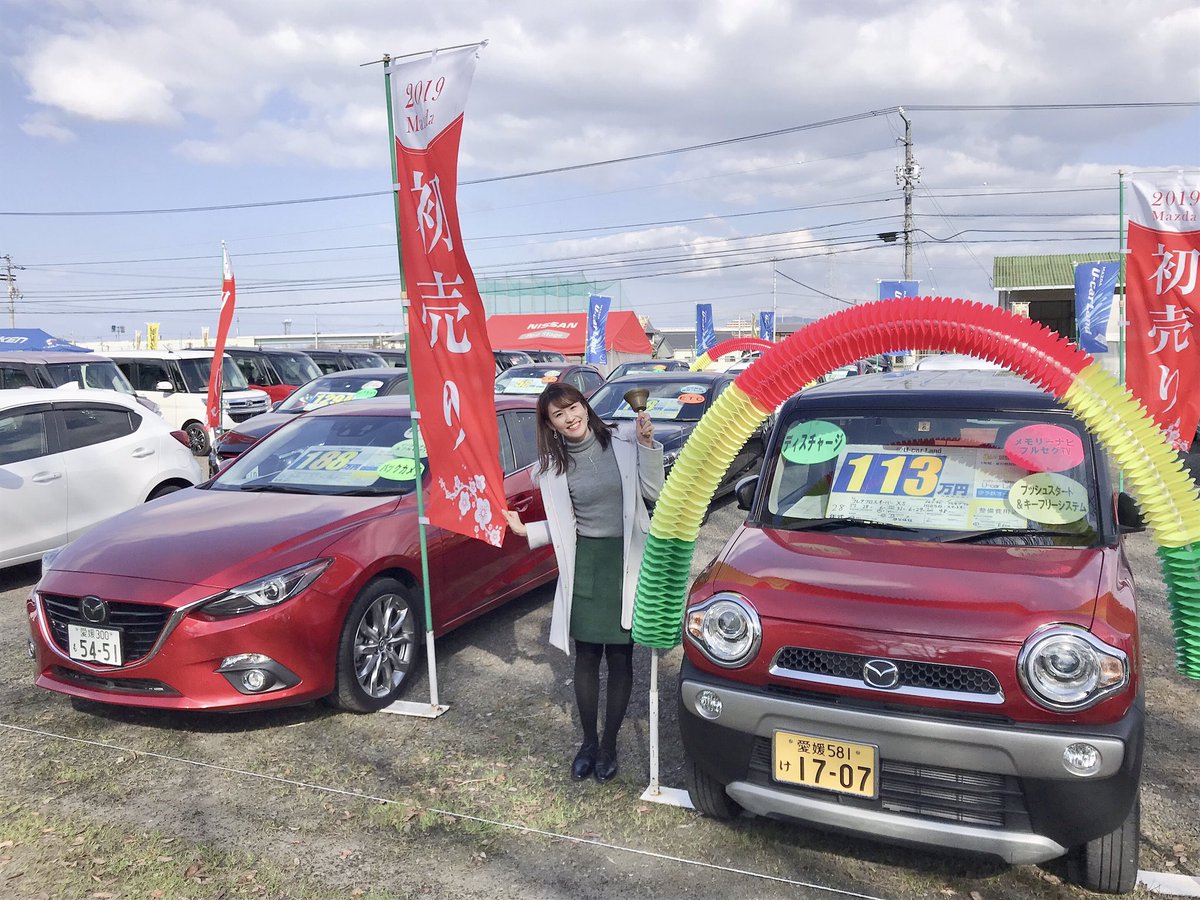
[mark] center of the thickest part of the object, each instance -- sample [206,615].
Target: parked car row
[71,458]
[324,390]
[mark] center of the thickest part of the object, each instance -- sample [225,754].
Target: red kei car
[925,631]
[293,575]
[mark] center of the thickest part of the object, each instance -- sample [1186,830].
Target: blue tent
[35,339]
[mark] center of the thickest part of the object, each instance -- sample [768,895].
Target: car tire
[708,795]
[379,647]
[162,490]
[198,441]
[1109,864]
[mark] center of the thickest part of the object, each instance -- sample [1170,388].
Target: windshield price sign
[949,488]
[335,466]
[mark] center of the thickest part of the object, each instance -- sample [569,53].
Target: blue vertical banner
[597,329]
[1094,286]
[766,325]
[706,335]
[893,290]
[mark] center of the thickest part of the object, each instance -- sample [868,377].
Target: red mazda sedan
[293,575]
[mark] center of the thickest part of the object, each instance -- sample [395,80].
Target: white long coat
[639,466]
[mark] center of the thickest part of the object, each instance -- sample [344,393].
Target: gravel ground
[479,803]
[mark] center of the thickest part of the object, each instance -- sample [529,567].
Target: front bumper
[981,786]
[173,658]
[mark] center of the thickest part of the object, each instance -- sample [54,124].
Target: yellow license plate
[819,762]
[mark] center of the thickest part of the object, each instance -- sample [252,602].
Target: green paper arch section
[1154,473]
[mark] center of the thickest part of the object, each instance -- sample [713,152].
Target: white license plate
[101,645]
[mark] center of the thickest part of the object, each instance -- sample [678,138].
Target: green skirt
[596,600]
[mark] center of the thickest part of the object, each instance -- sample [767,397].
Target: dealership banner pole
[655,792]
[433,709]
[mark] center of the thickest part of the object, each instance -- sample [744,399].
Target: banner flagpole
[406,707]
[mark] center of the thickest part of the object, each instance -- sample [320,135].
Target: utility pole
[907,176]
[13,293]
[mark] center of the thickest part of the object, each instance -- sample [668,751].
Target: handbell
[636,398]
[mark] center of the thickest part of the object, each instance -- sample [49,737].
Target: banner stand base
[420,710]
[668,796]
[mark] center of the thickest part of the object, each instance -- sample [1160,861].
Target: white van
[177,380]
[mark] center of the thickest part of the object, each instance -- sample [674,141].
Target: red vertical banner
[1162,288]
[449,354]
[228,298]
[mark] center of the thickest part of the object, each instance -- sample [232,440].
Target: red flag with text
[449,355]
[1162,288]
[228,298]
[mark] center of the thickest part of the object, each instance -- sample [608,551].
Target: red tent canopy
[566,332]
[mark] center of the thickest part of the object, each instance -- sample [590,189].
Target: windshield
[195,374]
[526,379]
[675,400]
[334,454]
[1001,479]
[101,374]
[338,388]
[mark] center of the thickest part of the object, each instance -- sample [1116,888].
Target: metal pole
[434,707]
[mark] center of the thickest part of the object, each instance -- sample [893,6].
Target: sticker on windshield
[334,466]
[327,398]
[1049,498]
[1044,448]
[691,398]
[365,393]
[376,385]
[693,389]
[660,408]
[525,386]
[405,449]
[945,488]
[813,442]
[399,469]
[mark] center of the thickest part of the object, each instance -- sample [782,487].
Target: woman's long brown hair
[552,447]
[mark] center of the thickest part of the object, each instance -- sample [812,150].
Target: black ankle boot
[585,761]
[606,765]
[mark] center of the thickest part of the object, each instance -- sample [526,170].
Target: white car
[69,459]
[177,380]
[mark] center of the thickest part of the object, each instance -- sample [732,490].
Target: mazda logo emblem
[880,673]
[93,610]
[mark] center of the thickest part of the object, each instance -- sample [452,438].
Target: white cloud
[46,125]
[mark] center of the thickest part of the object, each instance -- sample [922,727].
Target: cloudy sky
[737,152]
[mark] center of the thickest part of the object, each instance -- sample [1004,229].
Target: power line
[794,129]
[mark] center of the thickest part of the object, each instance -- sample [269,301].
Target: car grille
[800,661]
[140,623]
[241,410]
[928,792]
[124,685]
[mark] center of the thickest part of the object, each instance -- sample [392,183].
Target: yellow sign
[151,335]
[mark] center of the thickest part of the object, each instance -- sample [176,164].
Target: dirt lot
[104,802]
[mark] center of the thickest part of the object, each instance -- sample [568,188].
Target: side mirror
[165,386]
[1129,517]
[744,491]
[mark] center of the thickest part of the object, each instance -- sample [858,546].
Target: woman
[593,480]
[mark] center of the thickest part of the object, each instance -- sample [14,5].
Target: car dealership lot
[276,784]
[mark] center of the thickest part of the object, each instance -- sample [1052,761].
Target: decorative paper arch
[1155,475]
[716,351]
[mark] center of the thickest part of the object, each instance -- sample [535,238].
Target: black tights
[587,688]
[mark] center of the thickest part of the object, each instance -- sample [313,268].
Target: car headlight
[1065,667]
[726,629]
[265,592]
